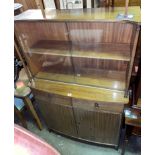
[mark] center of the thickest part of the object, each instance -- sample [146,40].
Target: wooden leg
[20,116]
[30,107]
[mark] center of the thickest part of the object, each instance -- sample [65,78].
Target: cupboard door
[58,114]
[97,125]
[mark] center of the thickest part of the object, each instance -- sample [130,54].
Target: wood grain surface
[80,91]
[93,14]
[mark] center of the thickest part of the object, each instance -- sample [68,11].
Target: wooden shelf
[55,48]
[102,51]
[89,50]
[99,78]
[80,92]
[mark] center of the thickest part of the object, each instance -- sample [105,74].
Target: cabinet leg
[124,142]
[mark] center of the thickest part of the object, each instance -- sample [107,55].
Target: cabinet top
[94,14]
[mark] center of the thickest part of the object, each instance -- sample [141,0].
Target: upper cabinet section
[93,53]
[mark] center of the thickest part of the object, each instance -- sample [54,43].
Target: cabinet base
[116,147]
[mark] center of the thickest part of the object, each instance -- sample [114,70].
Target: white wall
[49,4]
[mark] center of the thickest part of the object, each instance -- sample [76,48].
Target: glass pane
[100,53]
[47,49]
[87,53]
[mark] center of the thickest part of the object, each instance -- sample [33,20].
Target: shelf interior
[82,64]
[107,51]
[99,78]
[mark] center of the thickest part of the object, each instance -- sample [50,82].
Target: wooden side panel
[96,32]
[134,42]
[57,112]
[97,125]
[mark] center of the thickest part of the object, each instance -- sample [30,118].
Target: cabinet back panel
[100,32]
[96,64]
[41,30]
[52,64]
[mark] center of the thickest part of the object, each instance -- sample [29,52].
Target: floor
[67,146]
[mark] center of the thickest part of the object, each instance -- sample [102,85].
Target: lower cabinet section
[88,120]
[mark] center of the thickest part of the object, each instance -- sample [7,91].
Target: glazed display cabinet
[81,64]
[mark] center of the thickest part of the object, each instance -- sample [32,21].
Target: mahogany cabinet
[81,64]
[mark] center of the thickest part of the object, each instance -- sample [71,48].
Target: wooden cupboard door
[97,125]
[58,114]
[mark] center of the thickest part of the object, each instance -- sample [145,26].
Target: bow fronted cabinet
[81,63]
